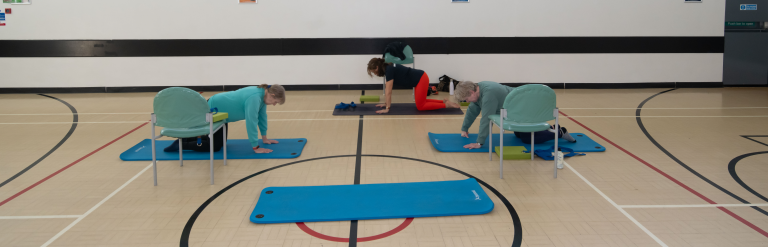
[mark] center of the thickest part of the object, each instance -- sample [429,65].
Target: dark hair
[377,64]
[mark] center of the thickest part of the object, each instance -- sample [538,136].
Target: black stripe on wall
[357,46]
[353,87]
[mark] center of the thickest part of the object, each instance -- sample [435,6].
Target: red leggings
[422,103]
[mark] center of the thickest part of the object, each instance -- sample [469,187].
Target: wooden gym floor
[679,169]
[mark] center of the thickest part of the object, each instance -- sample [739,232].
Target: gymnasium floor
[654,186]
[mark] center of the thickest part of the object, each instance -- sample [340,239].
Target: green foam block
[514,153]
[464,103]
[369,98]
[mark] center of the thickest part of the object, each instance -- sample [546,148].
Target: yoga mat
[236,149]
[455,143]
[395,109]
[370,201]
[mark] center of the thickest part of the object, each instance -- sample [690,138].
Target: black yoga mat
[394,109]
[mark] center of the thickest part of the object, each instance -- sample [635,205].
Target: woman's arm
[388,96]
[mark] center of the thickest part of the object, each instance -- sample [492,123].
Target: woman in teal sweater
[249,104]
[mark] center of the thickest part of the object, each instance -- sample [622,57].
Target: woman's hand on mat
[268,141]
[464,134]
[262,150]
[472,146]
[381,105]
[382,111]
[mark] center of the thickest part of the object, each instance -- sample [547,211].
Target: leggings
[422,103]
[205,142]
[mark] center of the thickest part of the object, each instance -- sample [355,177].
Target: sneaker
[566,135]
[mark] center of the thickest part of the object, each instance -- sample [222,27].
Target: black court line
[71,130]
[648,135]
[518,232]
[748,137]
[735,176]
[358,161]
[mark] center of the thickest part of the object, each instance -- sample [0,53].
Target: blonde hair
[464,90]
[277,92]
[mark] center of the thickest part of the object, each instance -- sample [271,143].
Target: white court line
[94,207]
[38,217]
[120,113]
[385,118]
[645,108]
[617,206]
[147,113]
[695,205]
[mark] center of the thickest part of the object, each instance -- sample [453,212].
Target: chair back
[180,107]
[407,51]
[532,103]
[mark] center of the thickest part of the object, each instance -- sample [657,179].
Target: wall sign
[692,1]
[748,7]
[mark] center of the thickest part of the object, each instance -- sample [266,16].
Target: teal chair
[184,113]
[409,59]
[526,109]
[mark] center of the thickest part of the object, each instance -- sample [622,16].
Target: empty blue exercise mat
[236,149]
[455,143]
[370,201]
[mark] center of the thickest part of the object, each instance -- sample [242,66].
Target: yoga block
[464,103]
[220,116]
[514,153]
[369,98]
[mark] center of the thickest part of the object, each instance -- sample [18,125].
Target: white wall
[291,70]
[223,19]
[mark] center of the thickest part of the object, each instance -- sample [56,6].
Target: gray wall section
[733,13]
[745,61]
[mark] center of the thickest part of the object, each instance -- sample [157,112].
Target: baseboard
[215,88]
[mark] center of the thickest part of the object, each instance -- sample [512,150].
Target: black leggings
[205,142]
[539,136]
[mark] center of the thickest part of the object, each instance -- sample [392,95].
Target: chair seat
[190,132]
[519,127]
[393,59]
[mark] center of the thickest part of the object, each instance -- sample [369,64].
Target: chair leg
[181,154]
[210,137]
[154,157]
[490,140]
[557,131]
[225,143]
[501,151]
[532,146]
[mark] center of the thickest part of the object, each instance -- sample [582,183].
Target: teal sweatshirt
[492,95]
[244,104]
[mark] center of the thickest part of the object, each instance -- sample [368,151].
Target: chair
[526,109]
[409,59]
[184,113]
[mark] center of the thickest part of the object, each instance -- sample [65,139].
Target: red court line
[397,229]
[710,201]
[68,166]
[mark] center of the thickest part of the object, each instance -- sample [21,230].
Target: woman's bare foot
[451,104]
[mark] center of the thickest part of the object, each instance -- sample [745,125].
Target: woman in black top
[404,76]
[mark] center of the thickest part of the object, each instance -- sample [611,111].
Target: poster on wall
[692,1]
[459,1]
[2,19]
[247,1]
[17,1]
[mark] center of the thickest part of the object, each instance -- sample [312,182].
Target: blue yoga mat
[236,149]
[370,201]
[455,143]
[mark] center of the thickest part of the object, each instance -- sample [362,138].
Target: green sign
[742,24]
